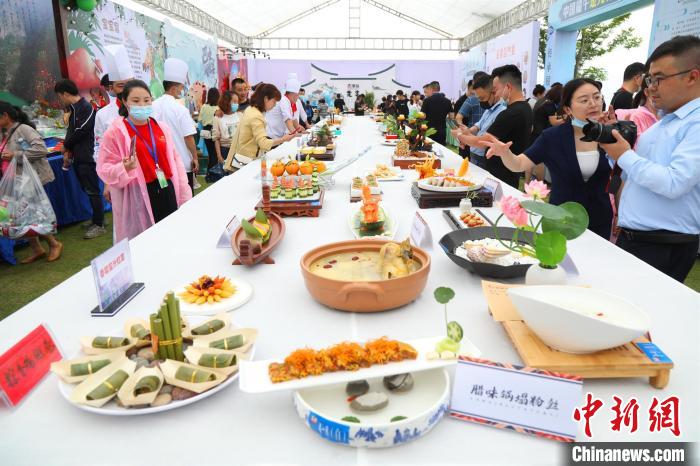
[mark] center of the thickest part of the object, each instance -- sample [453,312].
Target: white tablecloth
[239,428]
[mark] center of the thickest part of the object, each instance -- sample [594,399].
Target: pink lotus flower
[536,189]
[514,211]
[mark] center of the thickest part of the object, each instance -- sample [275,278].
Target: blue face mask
[234,107]
[578,123]
[140,112]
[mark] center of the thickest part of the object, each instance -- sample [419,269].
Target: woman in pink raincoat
[137,159]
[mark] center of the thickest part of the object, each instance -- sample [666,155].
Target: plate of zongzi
[190,362]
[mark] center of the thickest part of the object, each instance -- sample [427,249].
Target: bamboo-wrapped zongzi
[108,387]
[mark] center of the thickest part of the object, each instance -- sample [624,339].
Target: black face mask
[485,105]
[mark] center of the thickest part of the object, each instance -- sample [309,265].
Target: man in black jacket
[401,103]
[437,108]
[78,149]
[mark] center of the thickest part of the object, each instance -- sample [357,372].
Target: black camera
[598,132]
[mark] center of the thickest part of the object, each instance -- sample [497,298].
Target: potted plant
[369,100]
[549,227]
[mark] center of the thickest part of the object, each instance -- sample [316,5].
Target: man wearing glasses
[660,204]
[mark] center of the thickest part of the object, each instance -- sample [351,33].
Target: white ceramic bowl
[574,319]
[322,409]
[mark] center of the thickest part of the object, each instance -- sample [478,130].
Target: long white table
[233,427]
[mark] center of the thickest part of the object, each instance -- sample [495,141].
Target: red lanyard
[153,150]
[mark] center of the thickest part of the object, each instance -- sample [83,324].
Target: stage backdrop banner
[674,19]
[469,63]
[519,48]
[230,66]
[29,64]
[110,23]
[325,78]
[199,54]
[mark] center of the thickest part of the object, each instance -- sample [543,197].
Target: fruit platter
[416,159]
[293,167]
[449,184]
[257,237]
[159,364]
[370,220]
[208,295]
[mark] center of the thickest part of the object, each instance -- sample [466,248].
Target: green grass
[24,283]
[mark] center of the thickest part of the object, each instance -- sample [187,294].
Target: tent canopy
[455,17]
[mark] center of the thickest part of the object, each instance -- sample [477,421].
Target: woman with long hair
[147,179]
[580,170]
[20,137]
[206,118]
[250,138]
[225,123]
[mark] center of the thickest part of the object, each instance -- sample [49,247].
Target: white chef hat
[175,70]
[117,63]
[292,84]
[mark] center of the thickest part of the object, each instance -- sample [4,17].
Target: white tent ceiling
[456,17]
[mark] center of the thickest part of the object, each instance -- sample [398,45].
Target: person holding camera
[660,204]
[579,169]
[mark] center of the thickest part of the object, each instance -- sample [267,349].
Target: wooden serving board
[622,361]
[406,163]
[434,199]
[296,209]
[328,156]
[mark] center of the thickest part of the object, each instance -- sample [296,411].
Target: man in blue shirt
[660,204]
[468,111]
[469,135]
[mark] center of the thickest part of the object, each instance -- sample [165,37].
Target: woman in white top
[580,170]
[415,104]
[224,125]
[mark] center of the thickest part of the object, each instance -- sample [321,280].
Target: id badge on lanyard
[161,178]
[160,174]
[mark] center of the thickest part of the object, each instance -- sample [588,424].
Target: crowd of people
[657,195]
[643,192]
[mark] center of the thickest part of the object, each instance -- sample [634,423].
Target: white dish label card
[421,235]
[113,273]
[495,187]
[225,238]
[526,400]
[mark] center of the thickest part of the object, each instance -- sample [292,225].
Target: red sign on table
[24,365]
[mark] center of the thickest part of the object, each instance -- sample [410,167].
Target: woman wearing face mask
[580,170]
[17,137]
[149,183]
[225,124]
[250,138]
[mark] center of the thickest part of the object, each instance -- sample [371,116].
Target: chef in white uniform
[284,117]
[176,115]
[119,71]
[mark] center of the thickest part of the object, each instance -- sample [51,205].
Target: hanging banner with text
[109,23]
[674,19]
[520,48]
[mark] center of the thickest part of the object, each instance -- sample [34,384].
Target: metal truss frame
[188,13]
[525,12]
[295,18]
[363,43]
[408,18]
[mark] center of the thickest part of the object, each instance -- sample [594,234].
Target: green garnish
[398,418]
[350,419]
[454,331]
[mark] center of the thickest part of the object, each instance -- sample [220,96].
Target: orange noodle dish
[346,356]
